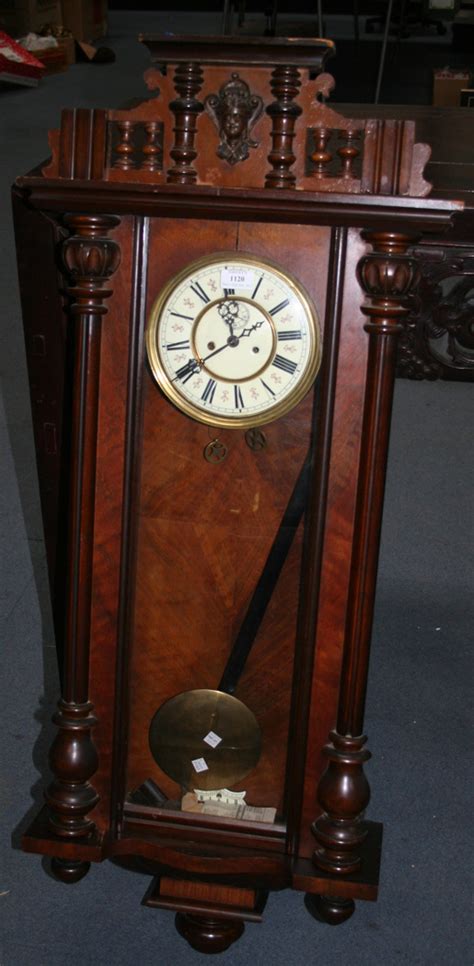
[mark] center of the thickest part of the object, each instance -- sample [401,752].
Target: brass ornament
[178,734]
[256,440]
[215,451]
[234,111]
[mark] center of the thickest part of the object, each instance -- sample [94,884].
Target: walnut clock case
[226,269]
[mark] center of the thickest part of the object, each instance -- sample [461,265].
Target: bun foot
[330,909]
[69,870]
[208,935]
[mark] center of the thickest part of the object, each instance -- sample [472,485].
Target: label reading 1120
[236,278]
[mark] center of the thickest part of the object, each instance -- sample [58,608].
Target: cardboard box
[19,17]
[58,58]
[86,19]
[448,83]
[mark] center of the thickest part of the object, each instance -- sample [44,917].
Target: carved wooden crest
[271,113]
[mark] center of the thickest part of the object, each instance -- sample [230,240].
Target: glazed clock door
[229,375]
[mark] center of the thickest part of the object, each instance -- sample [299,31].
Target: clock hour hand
[251,329]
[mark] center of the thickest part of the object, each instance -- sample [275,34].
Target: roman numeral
[178,315]
[289,335]
[267,387]
[238,401]
[229,291]
[208,394]
[185,344]
[278,308]
[285,364]
[185,372]
[257,286]
[199,291]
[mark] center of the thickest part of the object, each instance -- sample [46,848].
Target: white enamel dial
[233,340]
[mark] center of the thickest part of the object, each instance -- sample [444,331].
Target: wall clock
[238,262]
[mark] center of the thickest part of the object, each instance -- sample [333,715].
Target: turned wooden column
[186,108]
[387,276]
[284,112]
[89,259]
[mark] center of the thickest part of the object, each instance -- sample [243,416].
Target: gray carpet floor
[417,708]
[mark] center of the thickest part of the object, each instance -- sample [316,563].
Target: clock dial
[234,341]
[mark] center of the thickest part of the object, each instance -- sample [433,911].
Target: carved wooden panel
[438,337]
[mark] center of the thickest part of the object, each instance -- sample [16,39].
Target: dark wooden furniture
[438,338]
[154,552]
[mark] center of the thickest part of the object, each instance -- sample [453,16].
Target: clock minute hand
[220,349]
[194,365]
[232,341]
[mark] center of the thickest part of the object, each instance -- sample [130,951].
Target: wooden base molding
[210,916]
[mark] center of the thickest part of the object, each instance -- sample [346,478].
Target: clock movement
[225,270]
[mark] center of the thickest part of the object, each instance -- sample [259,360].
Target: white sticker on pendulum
[212,739]
[199,764]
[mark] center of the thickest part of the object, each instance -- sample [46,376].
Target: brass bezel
[239,421]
